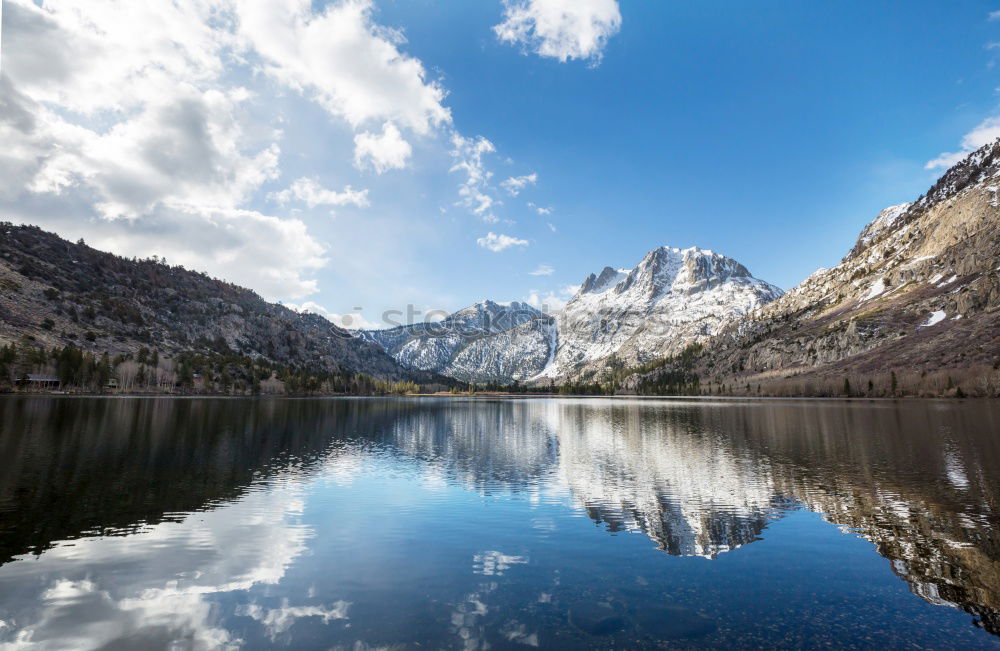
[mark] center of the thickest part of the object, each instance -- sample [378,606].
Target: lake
[473,523]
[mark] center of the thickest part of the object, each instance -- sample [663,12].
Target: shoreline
[486,396]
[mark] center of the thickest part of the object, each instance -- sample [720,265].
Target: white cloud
[313,194]
[176,569]
[383,152]
[984,133]
[542,270]
[561,29]
[153,128]
[350,320]
[540,209]
[994,15]
[278,620]
[551,302]
[273,256]
[475,190]
[117,111]
[551,226]
[515,184]
[350,65]
[497,243]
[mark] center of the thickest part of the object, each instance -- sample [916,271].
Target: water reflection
[128,521]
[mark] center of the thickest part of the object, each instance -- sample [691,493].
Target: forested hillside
[88,316]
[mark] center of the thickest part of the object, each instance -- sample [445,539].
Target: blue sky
[771,133]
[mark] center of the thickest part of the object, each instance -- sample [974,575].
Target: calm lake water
[474,523]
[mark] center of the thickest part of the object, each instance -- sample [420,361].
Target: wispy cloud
[542,270]
[475,191]
[551,302]
[985,132]
[498,242]
[350,320]
[309,190]
[148,128]
[515,184]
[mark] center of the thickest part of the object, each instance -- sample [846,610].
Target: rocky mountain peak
[492,316]
[608,278]
[672,298]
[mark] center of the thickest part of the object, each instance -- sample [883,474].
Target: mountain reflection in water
[126,517]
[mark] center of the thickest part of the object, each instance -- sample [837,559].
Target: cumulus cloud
[313,194]
[116,111]
[540,209]
[560,29]
[274,256]
[382,152]
[515,184]
[497,243]
[984,133]
[350,65]
[149,128]
[135,125]
[542,270]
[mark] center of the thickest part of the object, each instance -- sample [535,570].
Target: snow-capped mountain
[485,342]
[671,299]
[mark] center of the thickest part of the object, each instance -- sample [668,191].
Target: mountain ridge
[54,294]
[910,308]
[488,342]
[691,292]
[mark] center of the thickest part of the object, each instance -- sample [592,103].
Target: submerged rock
[596,618]
[674,622]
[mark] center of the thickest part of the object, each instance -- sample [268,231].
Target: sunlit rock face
[671,299]
[918,292]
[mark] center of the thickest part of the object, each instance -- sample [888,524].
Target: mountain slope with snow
[486,342]
[673,298]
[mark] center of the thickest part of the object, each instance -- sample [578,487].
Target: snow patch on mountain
[672,298]
[485,342]
[886,219]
